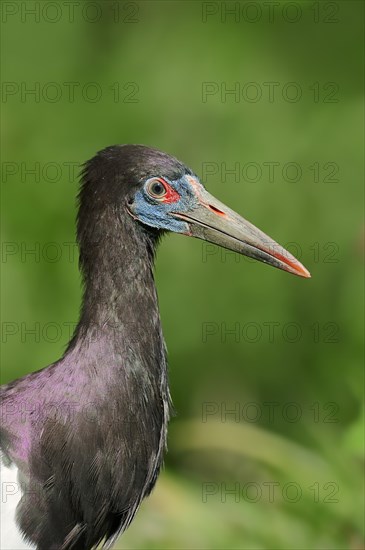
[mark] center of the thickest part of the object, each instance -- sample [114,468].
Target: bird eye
[156,188]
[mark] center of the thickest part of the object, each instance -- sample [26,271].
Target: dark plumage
[87,433]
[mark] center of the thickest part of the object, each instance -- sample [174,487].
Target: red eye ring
[160,190]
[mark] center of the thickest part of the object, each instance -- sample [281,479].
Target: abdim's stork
[82,440]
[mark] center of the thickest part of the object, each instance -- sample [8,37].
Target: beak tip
[303,271]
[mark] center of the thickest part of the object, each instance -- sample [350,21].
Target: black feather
[97,418]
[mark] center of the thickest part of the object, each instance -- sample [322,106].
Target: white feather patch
[10,495]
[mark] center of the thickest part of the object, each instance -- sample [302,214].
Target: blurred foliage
[168,53]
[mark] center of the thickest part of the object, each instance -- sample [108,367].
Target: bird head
[162,194]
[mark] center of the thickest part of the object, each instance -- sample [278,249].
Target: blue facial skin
[157,213]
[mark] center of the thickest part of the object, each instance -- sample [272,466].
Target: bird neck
[120,306]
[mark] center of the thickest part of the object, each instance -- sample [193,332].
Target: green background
[297,393]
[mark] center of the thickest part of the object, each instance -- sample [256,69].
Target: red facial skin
[171,195]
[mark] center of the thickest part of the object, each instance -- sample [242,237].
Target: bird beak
[214,222]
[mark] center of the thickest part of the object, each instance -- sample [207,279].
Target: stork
[82,440]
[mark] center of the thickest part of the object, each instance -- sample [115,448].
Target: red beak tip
[296,267]
[303,271]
